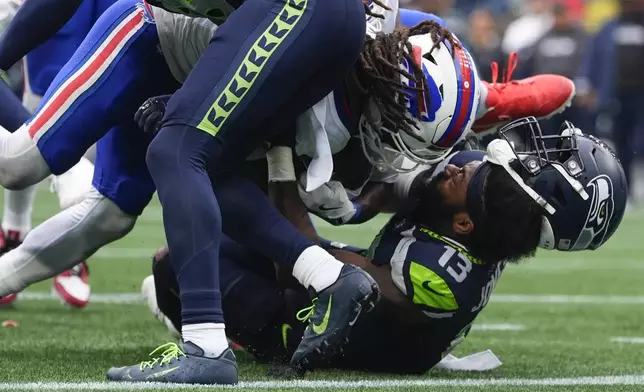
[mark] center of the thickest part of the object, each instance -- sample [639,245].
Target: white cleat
[149,294]
[72,286]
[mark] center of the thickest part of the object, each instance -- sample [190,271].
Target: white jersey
[183,39]
[8,9]
[387,23]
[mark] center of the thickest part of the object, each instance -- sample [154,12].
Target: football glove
[330,202]
[148,117]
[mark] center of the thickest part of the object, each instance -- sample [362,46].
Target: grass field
[559,323]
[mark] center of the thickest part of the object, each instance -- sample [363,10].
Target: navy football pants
[269,62]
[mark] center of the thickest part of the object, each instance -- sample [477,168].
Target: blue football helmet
[576,178]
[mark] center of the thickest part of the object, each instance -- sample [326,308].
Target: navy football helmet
[576,178]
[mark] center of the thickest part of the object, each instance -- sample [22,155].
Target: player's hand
[330,202]
[150,114]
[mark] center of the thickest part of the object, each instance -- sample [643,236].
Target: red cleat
[8,299]
[541,96]
[72,286]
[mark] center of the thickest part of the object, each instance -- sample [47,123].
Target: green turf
[53,343]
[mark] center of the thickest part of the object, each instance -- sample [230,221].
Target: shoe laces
[513,61]
[162,355]
[305,313]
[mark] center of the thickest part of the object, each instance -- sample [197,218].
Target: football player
[121,219]
[267,63]
[122,186]
[437,264]
[40,67]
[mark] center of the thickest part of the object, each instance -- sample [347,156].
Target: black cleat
[334,311]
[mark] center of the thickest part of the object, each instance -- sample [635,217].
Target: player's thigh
[259,59]
[112,72]
[120,172]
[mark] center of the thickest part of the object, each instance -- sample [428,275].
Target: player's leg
[72,285]
[103,83]
[260,315]
[122,188]
[58,243]
[18,205]
[541,96]
[256,61]
[12,113]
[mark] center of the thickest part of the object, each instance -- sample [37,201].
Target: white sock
[18,207]
[482,108]
[210,337]
[317,268]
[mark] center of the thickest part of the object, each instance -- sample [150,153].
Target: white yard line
[498,327]
[328,384]
[107,298]
[126,298]
[627,339]
[566,299]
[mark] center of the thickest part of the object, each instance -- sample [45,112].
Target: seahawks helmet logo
[600,214]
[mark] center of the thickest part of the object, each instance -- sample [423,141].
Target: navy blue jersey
[439,276]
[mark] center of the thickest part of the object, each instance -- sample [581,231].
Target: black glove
[149,115]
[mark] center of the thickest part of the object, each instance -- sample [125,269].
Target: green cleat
[335,310]
[185,365]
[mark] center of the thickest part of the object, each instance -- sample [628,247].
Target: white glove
[329,201]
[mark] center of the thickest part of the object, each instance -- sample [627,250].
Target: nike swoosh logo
[162,373]
[426,286]
[319,329]
[355,318]
[285,328]
[325,208]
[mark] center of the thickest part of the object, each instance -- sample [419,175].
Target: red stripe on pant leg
[60,98]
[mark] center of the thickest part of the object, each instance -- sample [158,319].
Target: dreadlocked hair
[377,73]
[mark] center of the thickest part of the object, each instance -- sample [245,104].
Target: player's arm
[285,197]
[375,198]
[34,23]
[331,202]
[283,191]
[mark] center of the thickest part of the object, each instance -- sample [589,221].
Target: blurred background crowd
[597,43]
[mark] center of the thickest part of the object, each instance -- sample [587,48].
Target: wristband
[280,164]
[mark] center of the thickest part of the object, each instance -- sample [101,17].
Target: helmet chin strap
[500,153]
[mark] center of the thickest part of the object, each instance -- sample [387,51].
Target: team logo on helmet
[601,211]
[427,101]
